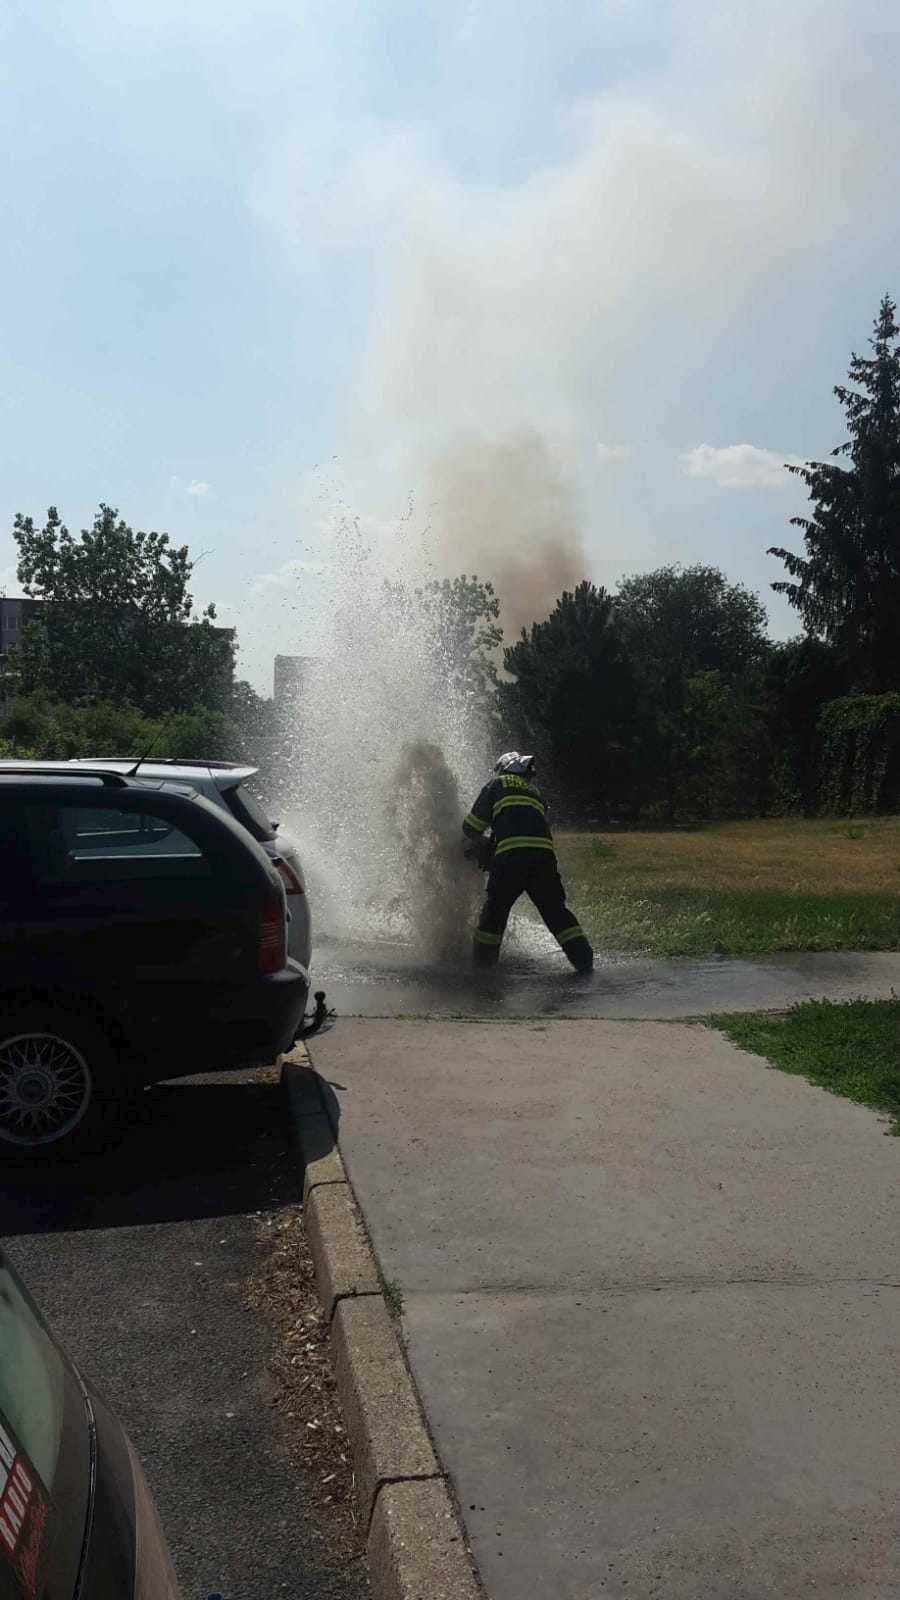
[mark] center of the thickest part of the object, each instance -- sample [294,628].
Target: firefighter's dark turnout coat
[511,811]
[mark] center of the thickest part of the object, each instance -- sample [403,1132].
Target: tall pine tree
[847,586]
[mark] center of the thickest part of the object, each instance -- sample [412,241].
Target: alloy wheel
[45,1088]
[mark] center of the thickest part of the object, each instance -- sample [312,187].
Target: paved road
[651,1293]
[141,1262]
[385,980]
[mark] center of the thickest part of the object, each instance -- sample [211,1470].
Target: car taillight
[288,876]
[271,947]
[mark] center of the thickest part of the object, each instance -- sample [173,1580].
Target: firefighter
[511,839]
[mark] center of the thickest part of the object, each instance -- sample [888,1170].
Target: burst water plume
[387,749]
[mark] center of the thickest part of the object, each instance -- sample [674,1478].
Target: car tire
[61,1087]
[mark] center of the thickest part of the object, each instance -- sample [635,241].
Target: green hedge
[860,735]
[34,726]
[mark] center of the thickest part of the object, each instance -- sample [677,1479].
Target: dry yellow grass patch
[781,884]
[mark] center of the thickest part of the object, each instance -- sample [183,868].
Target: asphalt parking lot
[142,1261]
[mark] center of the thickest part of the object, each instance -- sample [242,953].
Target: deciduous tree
[117,621]
[572,698]
[692,638]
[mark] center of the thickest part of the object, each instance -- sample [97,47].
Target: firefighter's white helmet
[513,763]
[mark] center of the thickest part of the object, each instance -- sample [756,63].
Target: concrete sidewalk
[651,1298]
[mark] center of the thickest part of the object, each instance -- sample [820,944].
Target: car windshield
[32,1381]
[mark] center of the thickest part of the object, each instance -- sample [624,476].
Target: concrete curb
[416,1544]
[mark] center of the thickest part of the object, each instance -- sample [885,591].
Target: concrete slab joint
[382,1416]
[341,1256]
[322,1161]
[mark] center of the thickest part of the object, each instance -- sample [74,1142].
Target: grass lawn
[738,888]
[851,1048]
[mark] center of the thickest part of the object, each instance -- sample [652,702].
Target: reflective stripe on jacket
[513,810]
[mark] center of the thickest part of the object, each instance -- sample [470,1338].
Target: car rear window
[70,843]
[249,811]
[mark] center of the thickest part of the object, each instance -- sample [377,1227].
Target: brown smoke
[504,510]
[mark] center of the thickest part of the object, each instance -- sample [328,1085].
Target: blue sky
[262,265]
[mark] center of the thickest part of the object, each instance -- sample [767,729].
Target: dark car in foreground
[143,935]
[77,1520]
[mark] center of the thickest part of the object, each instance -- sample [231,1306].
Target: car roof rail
[186,761]
[116,780]
[198,761]
[175,761]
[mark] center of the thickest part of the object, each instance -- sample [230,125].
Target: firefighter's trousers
[535,873]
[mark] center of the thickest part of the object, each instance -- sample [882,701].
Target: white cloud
[738,466]
[285,577]
[610,454]
[196,487]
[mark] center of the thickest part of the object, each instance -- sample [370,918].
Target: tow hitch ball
[311,1024]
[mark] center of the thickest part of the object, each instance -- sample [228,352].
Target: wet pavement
[388,980]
